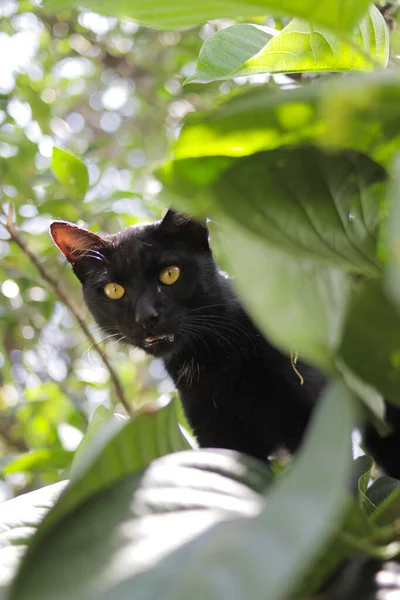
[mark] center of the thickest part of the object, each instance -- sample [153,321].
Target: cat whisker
[227,325]
[218,336]
[97,342]
[223,304]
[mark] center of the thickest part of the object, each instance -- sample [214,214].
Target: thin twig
[63,296]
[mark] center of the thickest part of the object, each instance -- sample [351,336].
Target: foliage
[297,165]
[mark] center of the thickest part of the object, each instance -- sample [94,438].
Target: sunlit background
[112,92]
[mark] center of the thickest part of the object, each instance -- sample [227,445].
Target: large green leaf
[361,112]
[301,200]
[117,449]
[244,49]
[112,449]
[371,339]
[298,304]
[180,14]
[135,523]
[161,535]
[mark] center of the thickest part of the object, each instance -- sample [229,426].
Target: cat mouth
[153,340]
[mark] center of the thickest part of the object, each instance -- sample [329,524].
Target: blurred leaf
[179,14]
[39,460]
[361,112]
[137,522]
[279,290]
[373,401]
[301,200]
[371,339]
[390,239]
[300,47]
[265,556]
[268,551]
[71,172]
[19,519]
[103,425]
[364,578]
[115,449]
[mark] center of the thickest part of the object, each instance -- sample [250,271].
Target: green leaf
[361,112]
[19,519]
[300,47]
[166,535]
[382,488]
[301,200]
[39,460]
[223,53]
[373,401]
[180,14]
[102,426]
[137,522]
[385,494]
[71,172]
[265,557]
[279,292]
[114,450]
[371,339]
[363,467]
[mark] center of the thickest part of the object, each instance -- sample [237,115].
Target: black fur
[237,390]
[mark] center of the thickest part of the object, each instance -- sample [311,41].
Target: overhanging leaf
[264,557]
[300,47]
[371,339]
[133,547]
[180,14]
[134,524]
[71,171]
[359,112]
[279,292]
[119,448]
[301,200]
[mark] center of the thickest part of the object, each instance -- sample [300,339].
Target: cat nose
[145,315]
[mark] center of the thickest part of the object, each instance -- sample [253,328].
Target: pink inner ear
[74,241]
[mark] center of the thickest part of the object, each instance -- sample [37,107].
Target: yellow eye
[169,275]
[114,291]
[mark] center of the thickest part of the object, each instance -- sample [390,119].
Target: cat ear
[73,241]
[195,232]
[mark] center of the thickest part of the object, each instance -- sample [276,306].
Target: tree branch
[63,296]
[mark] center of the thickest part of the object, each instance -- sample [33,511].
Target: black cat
[158,287]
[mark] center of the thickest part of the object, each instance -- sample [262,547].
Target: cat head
[142,283]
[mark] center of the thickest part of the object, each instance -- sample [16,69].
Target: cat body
[157,287]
